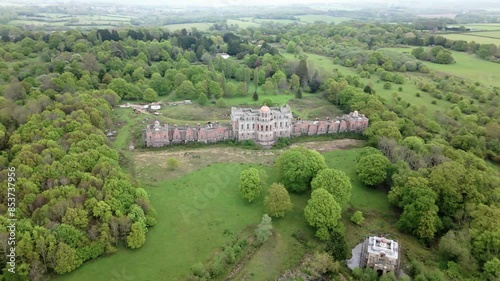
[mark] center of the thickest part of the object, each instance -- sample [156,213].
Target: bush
[357,218]
[417,94]
[434,101]
[400,89]
[387,85]
[172,163]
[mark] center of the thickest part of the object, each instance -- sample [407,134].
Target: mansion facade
[264,126]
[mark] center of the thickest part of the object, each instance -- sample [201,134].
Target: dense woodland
[75,203]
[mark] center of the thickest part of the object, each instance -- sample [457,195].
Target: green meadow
[478,37]
[468,67]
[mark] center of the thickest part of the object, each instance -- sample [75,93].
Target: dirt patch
[325,146]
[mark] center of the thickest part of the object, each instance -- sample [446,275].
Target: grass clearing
[326,65]
[201,26]
[472,37]
[242,23]
[481,26]
[466,67]
[325,18]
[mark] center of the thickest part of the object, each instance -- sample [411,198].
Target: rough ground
[151,166]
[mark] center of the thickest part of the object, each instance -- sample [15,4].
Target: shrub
[417,94]
[357,218]
[400,89]
[172,163]
[387,85]
[434,101]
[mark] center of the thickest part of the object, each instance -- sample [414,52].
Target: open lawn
[467,67]
[197,214]
[201,26]
[242,23]
[476,37]
[326,65]
[325,18]
[481,26]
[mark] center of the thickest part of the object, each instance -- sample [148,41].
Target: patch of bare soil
[325,146]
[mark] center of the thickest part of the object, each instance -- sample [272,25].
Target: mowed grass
[467,66]
[325,18]
[481,26]
[477,37]
[196,215]
[201,26]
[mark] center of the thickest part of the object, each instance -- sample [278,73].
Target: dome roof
[264,108]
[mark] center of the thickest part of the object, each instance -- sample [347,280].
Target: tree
[250,184]
[264,229]
[372,169]
[202,99]
[220,102]
[298,166]
[387,129]
[242,89]
[302,72]
[290,48]
[298,94]
[334,181]
[186,90]
[421,216]
[66,259]
[444,57]
[336,245]
[150,95]
[137,236]
[322,212]
[255,96]
[357,218]
[294,82]
[277,202]
[172,163]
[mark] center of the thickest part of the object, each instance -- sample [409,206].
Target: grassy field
[326,65]
[60,20]
[242,23]
[473,37]
[467,67]
[197,214]
[280,21]
[201,26]
[325,18]
[481,26]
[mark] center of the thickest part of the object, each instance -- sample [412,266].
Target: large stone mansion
[264,126]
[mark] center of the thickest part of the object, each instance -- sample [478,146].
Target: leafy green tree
[277,202]
[264,229]
[492,267]
[186,90]
[66,259]
[242,89]
[420,216]
[387,129]
[372,169]
[334,181]
[322,212]
[150,95]
[357,218]
[202,99]
[290,48]
[250,184]
[214,89]
[220,102]
[137,236]
[298,166]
